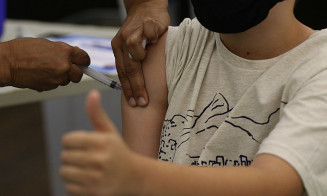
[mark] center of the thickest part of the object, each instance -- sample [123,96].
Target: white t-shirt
[224,109]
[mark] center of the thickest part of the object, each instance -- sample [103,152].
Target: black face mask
[232,16]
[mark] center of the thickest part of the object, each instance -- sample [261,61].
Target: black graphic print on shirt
[190,127]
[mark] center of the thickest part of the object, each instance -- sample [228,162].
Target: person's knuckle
[115,42]
[149,20]
[62,69]
[92,161]
[120,69]
[122,75]
[63,157]
[63,46]
[54,83]
[63,172]
[98,161]
[125,34]
[131,41]
[131,70]
[61,78]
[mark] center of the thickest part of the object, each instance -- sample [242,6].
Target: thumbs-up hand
[98,163]
[97,115]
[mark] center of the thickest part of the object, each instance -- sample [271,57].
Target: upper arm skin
[281,173]
[142,125]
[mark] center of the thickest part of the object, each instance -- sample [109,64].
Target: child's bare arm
[142,125]
[99,163]
[268,175]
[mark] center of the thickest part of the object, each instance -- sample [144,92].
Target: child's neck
[277,34]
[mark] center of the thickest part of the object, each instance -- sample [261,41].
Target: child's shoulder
[313,49]
[189,35]
[188,28]
[318,41]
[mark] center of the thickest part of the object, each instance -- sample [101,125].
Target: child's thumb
[97,115]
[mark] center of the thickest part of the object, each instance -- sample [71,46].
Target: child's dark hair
[296,2]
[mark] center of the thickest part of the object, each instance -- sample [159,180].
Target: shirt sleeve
[182,43]
[300,137]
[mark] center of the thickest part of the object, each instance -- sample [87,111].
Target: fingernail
[141,101]
[130,56]
[144,43]
[132,102]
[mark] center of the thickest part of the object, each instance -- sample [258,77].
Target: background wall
[23,162]
[98,12]
[104,12]
[53,10]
